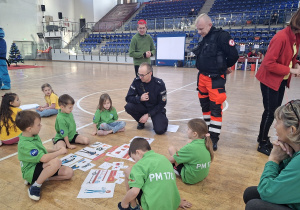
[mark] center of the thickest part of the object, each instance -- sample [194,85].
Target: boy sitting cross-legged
[37,165]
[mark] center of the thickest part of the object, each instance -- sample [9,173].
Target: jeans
[47,112]
[254,202]
[272,99]
[114,126]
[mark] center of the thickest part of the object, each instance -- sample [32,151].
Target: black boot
[264,147]
[215,146]
[214,138]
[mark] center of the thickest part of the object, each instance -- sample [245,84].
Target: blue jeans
[114,126]
[47,112]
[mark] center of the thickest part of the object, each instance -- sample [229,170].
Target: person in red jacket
[275,74]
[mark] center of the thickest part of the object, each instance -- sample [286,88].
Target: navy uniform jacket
[157,94]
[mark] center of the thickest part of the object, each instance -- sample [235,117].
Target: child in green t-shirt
[65,125]
[105,119]
[192,161]
[151,180]
[37,165]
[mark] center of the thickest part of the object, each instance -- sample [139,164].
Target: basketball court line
[78,105]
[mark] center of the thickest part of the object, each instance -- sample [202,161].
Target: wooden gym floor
[237,164]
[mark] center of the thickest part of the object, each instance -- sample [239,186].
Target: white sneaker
[25,182]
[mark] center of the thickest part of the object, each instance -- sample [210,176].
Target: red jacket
[277,60]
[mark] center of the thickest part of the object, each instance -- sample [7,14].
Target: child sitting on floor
[192,162]
[9,132]
[151,180]
[37,165]
[105,118]
[65,125]
[51,107]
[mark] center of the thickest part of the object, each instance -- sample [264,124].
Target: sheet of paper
[105,165]
[70,159]
[80,163]
[98,176]
[173,128]
[119,181]
[105,190]
[89,152]
[28,106]
[117,165]
[150,140]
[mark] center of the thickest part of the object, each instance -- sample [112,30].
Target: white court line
[132,120]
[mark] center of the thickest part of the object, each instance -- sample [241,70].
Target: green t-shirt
[105,116]
[30,151]
[138,46]
[196,160]
[154,175]
[64,126]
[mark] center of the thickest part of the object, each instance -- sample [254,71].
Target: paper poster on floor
[70,159]
[100,145]
[150,140]
[89,152]
[104,190]
[121,152]
[97,177]
[80,164]
[105,165]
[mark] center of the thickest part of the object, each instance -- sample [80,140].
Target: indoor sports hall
[81,48]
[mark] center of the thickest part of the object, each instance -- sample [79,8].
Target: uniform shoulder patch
[159,81]
[231,42]
[34,152]
[62,132]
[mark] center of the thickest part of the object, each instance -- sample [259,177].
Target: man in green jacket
[141,46]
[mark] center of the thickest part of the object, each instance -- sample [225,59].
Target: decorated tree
[15,55]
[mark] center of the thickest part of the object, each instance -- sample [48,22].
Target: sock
[36,184]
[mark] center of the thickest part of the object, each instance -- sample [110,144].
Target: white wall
[19,19]
[102,7]
[84,9]
[55,6]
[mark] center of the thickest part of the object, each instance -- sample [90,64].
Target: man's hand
[144,118]
[228,71]
[148,54]
[145,97]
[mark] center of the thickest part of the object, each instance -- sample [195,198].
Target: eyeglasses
[291,103]
[142,75]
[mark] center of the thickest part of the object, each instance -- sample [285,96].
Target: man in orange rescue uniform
[215,54]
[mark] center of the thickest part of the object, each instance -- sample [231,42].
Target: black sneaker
[264,148]
[140,126]
[34,193]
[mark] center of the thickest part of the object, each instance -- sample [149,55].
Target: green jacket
[138,46]
[280,184]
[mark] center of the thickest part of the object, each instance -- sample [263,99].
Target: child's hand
[71,146]
[39,108]
[94,133]
[63,150]
[184,204]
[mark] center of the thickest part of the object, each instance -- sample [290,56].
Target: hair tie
[207,135]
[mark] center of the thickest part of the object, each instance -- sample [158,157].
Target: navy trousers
[160,120]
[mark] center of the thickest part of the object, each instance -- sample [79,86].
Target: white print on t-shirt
[161,176]
[203,165]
